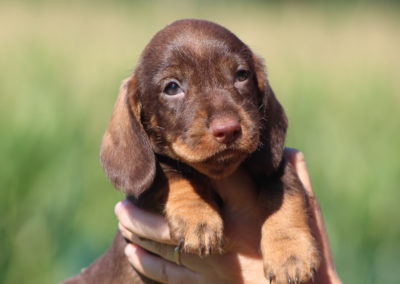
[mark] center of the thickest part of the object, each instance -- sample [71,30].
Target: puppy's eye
[242,75]
[172,89]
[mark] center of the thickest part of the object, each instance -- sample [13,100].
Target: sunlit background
[335,66]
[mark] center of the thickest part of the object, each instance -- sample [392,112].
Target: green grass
[335,69]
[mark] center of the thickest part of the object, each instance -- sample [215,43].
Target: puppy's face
[199,98]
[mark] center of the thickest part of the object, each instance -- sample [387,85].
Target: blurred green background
[335,68]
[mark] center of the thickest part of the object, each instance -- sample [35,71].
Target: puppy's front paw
[202,235]
[290,259]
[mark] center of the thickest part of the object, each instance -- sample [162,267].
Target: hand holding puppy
[150,232]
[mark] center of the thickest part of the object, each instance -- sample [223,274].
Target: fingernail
[122,204]
[118,207]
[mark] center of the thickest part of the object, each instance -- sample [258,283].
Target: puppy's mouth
[225,157]
[220,164]
[205,154]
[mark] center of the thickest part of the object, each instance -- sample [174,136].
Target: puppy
[198,110]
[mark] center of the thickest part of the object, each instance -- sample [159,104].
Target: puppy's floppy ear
[268,157]
[126,153]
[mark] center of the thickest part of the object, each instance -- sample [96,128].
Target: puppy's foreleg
[287,245]
[193,217]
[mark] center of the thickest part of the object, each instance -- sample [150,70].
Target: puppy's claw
[181,244]
[202,249]
[314,270]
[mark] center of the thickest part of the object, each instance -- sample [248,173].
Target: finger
[302,172]
[157,268]
[290,155]
[164,250]
[142,223]
[296,158]
[125,232]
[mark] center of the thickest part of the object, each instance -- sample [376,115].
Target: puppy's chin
[221,165]
[212,159]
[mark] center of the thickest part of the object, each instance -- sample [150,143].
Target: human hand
[150,233]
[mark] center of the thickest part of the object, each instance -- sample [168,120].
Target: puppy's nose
[225,130]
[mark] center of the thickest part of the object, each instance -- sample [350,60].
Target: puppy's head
[199,96]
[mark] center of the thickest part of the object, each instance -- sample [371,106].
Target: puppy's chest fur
[242,223]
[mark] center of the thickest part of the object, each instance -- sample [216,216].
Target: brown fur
[175,150]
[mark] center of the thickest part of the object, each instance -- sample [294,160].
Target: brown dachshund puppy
[197,110]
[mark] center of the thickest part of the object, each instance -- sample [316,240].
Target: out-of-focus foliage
[336,70]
